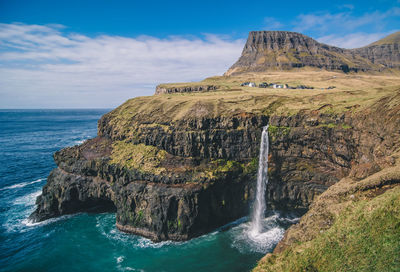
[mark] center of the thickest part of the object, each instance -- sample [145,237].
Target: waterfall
[262,181]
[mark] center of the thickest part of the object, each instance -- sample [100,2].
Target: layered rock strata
[283,50]
[183,178]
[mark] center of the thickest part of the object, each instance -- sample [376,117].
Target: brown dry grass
[352,92]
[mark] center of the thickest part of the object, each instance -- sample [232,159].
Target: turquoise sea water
[90,242]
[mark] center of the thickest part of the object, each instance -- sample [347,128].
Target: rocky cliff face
[158,206]
[182,178]
[386,54]
[385,51]
[282,50]
[161,89]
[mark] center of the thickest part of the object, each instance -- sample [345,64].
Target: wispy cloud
[344,28]
[343,21]
[272,24]
[353,40]
[39,63]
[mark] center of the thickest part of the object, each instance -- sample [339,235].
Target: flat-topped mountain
[283,50]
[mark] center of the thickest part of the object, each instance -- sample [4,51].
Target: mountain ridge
[285,50]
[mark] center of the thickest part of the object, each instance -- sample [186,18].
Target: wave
[27,200]
[21,185]
[29,223]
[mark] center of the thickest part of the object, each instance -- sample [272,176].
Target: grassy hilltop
[352,92]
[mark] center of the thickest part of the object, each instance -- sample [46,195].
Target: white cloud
[272,24]
[343,21]
[353,40]
[42,66]
[343,29]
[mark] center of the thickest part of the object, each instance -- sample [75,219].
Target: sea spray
[262,181]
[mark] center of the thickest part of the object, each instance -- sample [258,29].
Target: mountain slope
[385,51]
[283,50]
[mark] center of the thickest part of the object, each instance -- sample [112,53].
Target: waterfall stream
[264,230]
[262,181]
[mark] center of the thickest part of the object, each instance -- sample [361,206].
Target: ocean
[91,242]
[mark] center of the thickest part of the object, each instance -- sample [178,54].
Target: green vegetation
[222,167]
[229,166]
[174,224]
[218,168]
[276,132]
[251,167]
[141,157]
[365,237]
[333,125]
[138,218]
[330,125]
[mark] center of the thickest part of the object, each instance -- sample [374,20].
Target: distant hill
[385,51]
[283,50]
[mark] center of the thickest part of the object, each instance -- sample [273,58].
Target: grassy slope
[351,91]
[353,226]
[392,38]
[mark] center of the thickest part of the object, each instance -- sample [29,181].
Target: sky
[98,54]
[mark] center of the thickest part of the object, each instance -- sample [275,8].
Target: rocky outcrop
[283,50]
[162,89]
[171,205]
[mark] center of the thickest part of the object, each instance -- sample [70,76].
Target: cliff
[168,89]
[175,167]
[282,50]
[385,51]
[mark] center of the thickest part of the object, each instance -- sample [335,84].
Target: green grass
[365,237]
[141,157]
[276,132]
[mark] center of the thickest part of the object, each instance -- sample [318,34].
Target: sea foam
[21,185]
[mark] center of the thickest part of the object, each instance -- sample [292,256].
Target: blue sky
[79,54]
